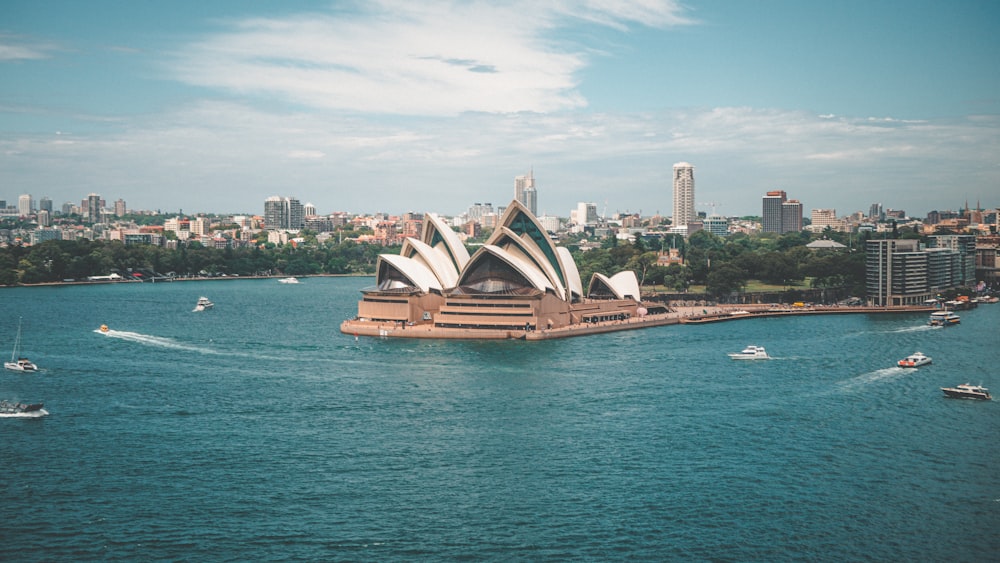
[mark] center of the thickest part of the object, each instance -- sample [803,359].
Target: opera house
[517,285]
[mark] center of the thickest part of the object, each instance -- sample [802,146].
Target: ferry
[944,318]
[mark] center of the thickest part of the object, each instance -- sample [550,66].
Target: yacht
[203,303]
[8,408]
[944,318]
[291,279]
[18,362]
[751,353]
[967,391]
[914,360]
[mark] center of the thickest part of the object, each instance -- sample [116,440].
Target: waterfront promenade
[686,314]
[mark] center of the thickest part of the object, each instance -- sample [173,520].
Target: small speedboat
[914,360]
[751,353]
[104,328]
[967,391]
[21,409]
[203,304]
[289,280]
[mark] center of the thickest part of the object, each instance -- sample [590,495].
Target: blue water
[256,431]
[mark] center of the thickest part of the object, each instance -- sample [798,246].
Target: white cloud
[412,58]
[229,157]
[14,48]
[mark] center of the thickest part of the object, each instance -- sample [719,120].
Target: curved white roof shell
[626,285]
[436,260]
[437,234]
[532,274]
[572,273]
[528,250]
[420,275]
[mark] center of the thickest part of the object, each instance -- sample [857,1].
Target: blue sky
[401,106]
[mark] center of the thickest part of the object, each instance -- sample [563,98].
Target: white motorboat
[290,279]
[751,353]
[203,304]
[968,391]
[18,363]
[914,360]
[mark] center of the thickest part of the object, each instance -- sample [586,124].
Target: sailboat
[16,362]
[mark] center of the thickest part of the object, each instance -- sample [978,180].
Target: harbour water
[257,431]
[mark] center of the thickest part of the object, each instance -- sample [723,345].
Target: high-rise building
[899,272]
[772,211]
[585,213]
[283,213]
[791,216]
[94,208]
[524,191]
[684,194]
[45,204]
[120,209]
[25,205]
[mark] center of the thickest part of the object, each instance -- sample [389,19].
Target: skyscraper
[94,208]
[283,213]
[684,194]
[791,216]
[25,205]
[772,211]
[524,191]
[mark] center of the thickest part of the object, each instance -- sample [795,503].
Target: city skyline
[387,106]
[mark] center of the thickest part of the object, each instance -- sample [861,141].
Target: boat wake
[879,375]
[31,414]
[157,341]
[918,328]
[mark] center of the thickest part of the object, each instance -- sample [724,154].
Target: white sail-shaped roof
[572,273]
[626,285]
[524,267]
[416,272]
[525,247]
[436,260]
[438,235]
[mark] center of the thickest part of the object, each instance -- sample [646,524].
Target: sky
[394,106]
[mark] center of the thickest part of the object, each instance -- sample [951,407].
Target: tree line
[722,265]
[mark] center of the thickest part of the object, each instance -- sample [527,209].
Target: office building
[524,191]
[900,272]
[791,216]
[683,194]
[717,225]
[284,213]
[772,211]
[93,206]
[25,205]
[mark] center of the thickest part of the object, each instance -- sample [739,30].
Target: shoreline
[677,315]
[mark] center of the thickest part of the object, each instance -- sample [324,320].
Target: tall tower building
[120,208]
[524,191]
[791,216]
[94,208]
[684,194]
[772,211]
[25,205]
[283,213]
